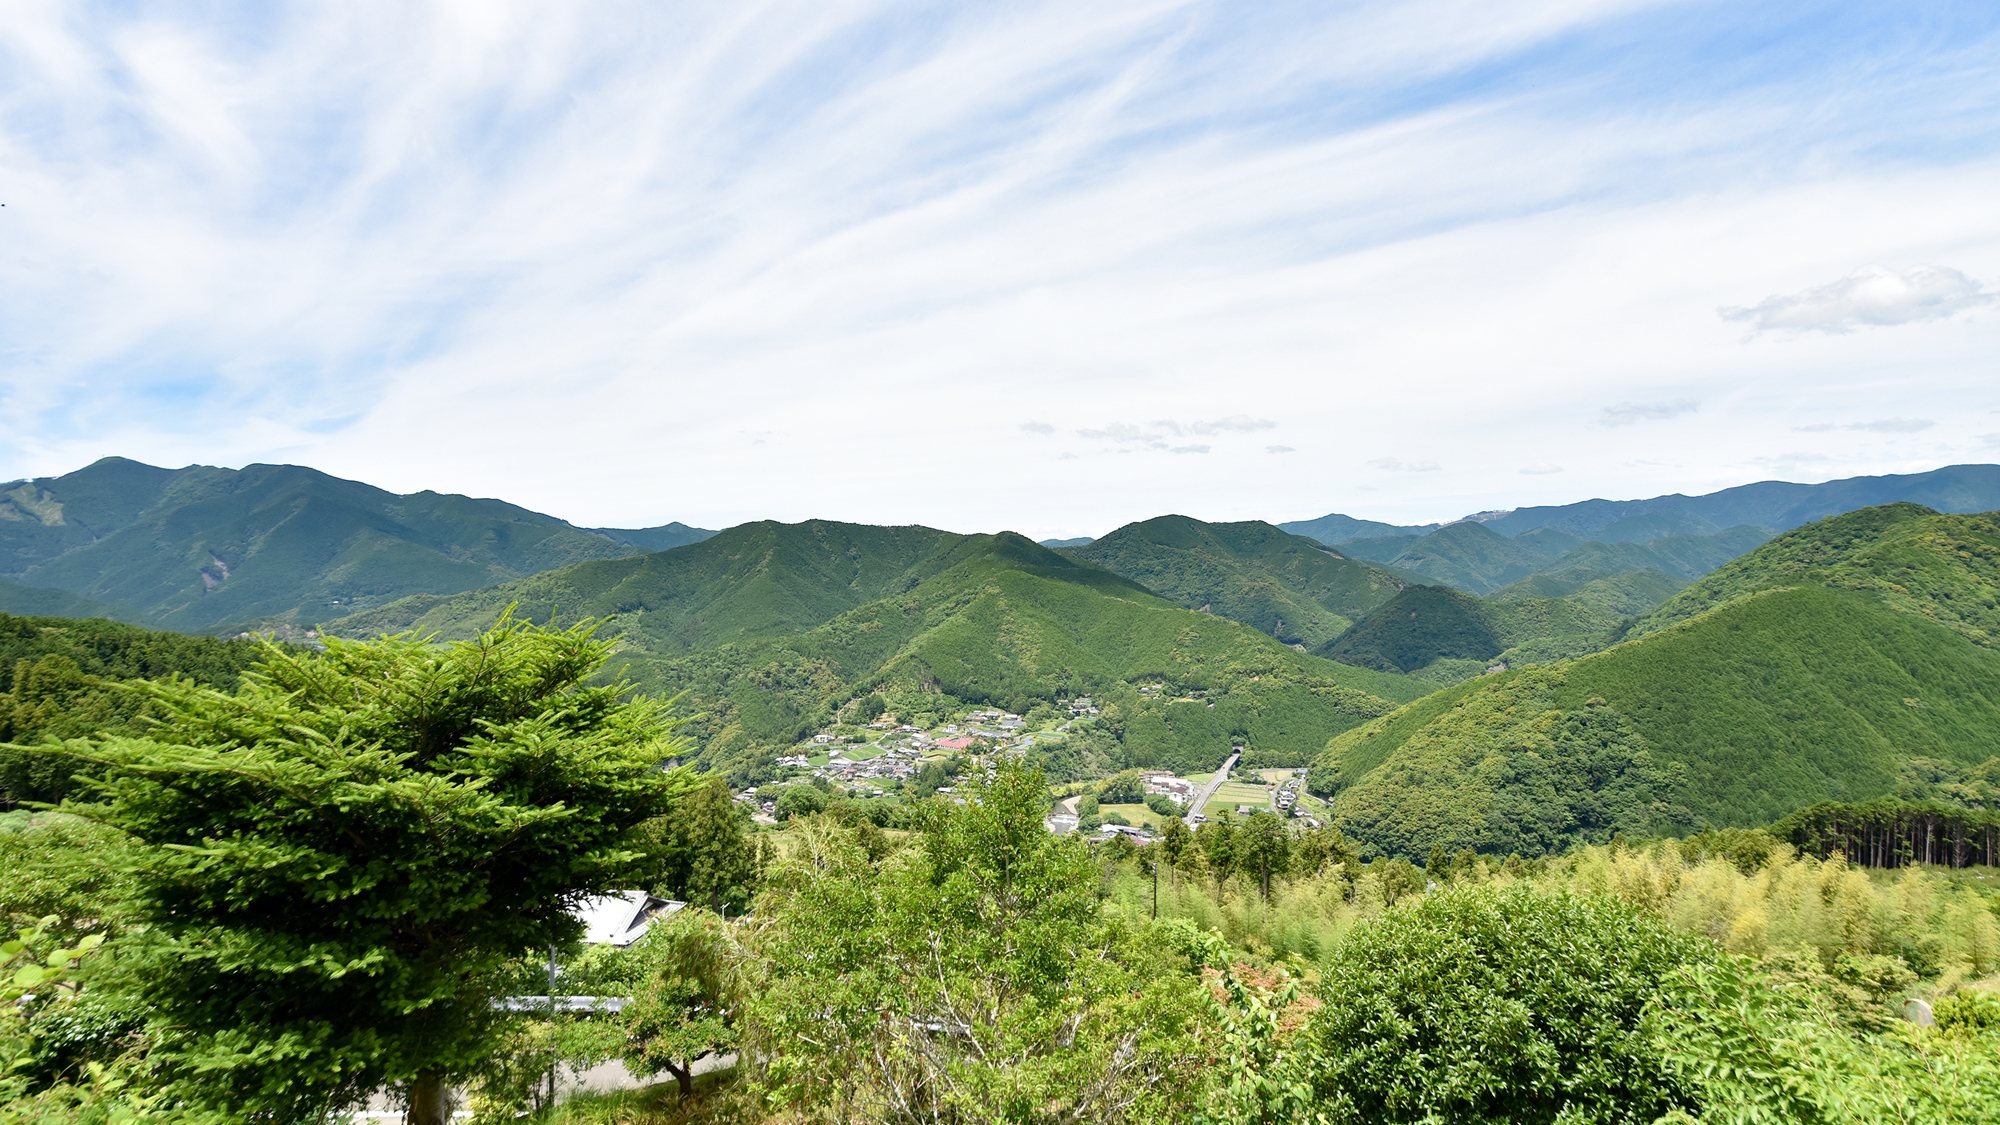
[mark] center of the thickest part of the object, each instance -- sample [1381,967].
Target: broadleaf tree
[334,864]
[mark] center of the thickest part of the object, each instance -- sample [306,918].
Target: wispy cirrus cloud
[1874,296]
[1163,434]
[308,232]
[1878,426]
[1631,413]
[1398,465]
[1540,469]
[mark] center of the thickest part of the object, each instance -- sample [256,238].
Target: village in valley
[895,761]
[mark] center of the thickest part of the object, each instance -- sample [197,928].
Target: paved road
[1214,783]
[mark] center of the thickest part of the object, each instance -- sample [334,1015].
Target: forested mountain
[761,579]
[202,548]
[56,682]
[1335,529]
[1830,663]
[1545,561]
[1010,623]
[1778,505]
[1450,635]
[771,628]
[1286,585]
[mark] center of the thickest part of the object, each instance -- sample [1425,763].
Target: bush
[1498,1004]
[800,800]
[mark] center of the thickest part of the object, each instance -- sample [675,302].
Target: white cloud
[1872,296]
[1037,428]
[1628,413]
[1989,440]
[1879,426]
[759,261]
[1396,465]
[1279,449]
[1235,423]
[1541,468]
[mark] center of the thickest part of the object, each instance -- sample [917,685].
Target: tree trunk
[683,1078]
[430,1101]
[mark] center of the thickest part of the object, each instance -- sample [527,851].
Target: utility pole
[1156,882]
[552,1018]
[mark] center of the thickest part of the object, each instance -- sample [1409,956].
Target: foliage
[39,986]
[1498,1004]
[687,1001]
[1506,769]
[1892,833]
[58,681]
[1754,1050]
[703,849]
[334,864]
[970,978]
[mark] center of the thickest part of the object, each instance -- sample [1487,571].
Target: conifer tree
[334,863]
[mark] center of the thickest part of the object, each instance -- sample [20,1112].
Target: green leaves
[334,864]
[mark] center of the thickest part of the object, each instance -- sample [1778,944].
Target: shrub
[1498,1004]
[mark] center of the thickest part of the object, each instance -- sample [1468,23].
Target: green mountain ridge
[1825,665]
[769,628]
[1475,558]
[1780,505]
[1012,624]
[203,549]
[1285,585]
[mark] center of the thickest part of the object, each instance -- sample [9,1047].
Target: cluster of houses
[1288,793]
[1166,784]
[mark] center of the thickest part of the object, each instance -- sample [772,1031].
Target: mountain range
[1776,505]
[1512,682]
[203,549]
[1848,659]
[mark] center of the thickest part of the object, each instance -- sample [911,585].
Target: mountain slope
[762,579]
[1284,585]
[201,548]
[1006,622]
[1335,529]
[1816,668]
[1469,556]
[1778,505]
[1942,567]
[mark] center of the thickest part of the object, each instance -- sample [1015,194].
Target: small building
[622,918]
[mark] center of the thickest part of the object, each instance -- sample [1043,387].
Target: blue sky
[1048,267]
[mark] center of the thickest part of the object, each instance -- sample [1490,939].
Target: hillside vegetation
[58,681]
[1546,561]
[1447,636]
[1285,585]
[1944,568]
[202,548]
[1816,676]
[763,579]
[1779,505]
[1012,624]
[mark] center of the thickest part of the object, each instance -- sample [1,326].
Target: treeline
[1891,833]
[59,679]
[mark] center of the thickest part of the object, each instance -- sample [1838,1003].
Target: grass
[1233,793]
[1137,814]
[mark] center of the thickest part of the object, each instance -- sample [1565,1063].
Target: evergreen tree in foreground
[334,863]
